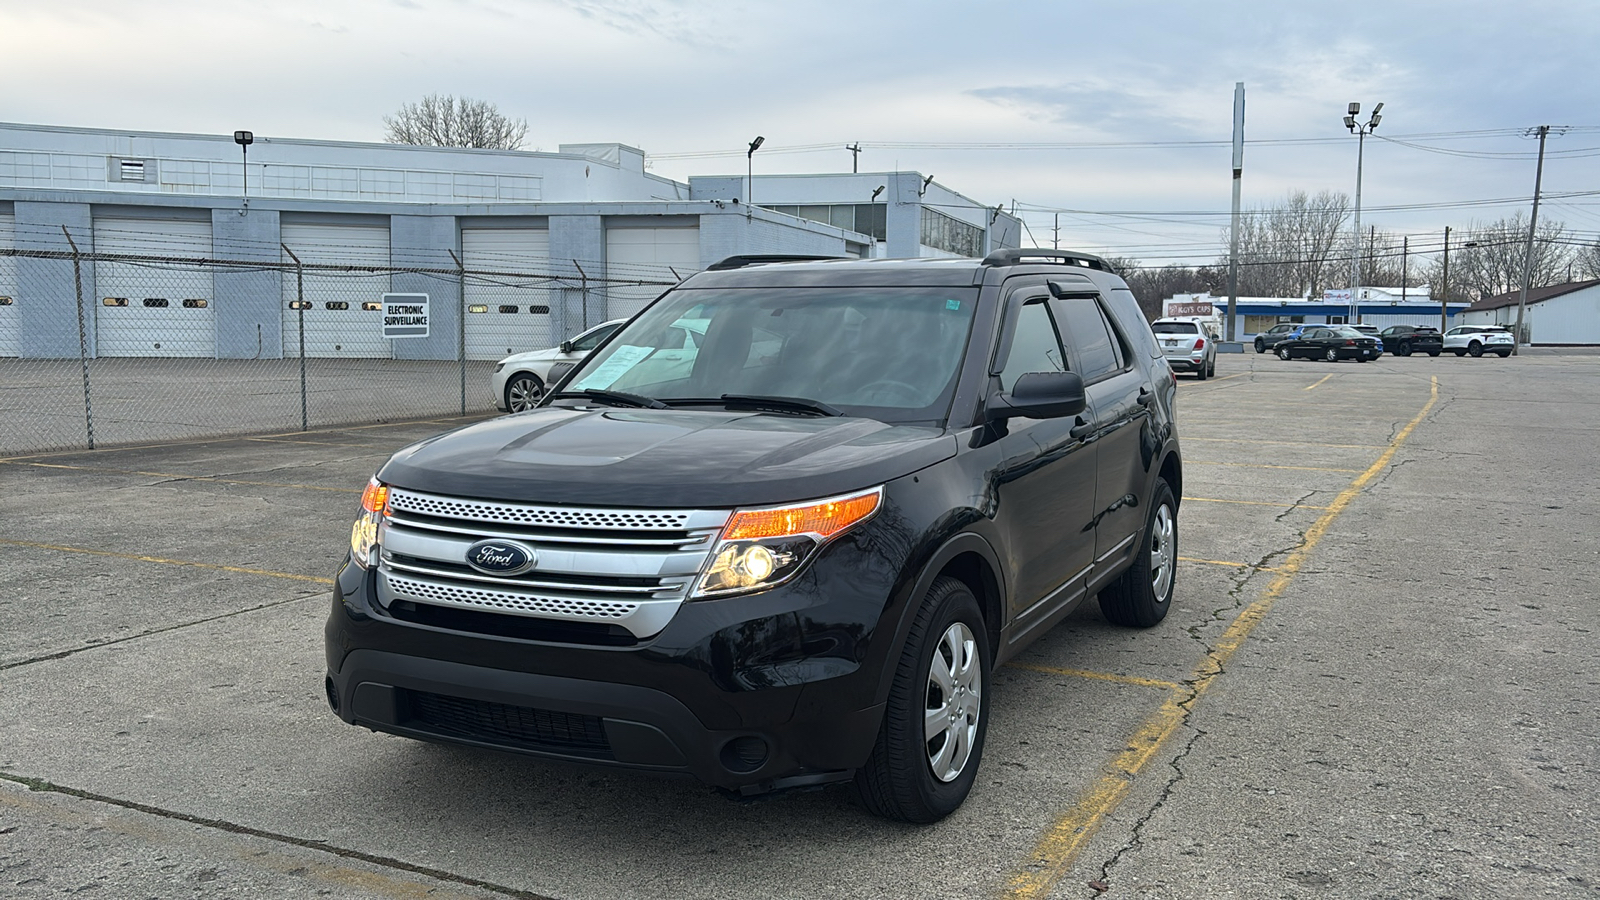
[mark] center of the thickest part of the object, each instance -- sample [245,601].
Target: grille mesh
[538,516]
[503,601]
[516,726]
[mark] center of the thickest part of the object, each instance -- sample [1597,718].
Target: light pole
[244,139]
[1360,130]
[749,174]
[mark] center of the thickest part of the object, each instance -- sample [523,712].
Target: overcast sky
[917,84]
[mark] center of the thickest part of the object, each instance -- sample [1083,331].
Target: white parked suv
[1188,345]
[519,381]
[1478,340]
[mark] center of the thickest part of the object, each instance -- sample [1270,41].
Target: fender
[953,546]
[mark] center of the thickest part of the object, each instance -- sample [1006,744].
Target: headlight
[762,548]
[364,535]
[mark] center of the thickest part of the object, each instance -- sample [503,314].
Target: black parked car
[1330,342]
[789,554]
[1404,340]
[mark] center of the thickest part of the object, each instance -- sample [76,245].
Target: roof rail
[1069,257]
[740,262]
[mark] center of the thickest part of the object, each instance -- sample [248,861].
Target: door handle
[1145,397]
[1080,429]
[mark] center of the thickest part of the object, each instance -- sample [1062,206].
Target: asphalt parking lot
[1377,680]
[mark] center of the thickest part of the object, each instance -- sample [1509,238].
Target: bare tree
[1286,249]
[1489,258]
[1586,261]
[1152,286]
[449,121]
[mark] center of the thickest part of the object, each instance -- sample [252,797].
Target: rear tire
[1460,352]
[1403,350]
[1502,353]
[940,686]
[1141,596]
[1200,373]
[1332,355]
[1433,353]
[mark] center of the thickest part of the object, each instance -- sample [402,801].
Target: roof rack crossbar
[740,262]
[1069,257]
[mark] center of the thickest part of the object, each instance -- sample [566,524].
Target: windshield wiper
[764,403]
[615,398]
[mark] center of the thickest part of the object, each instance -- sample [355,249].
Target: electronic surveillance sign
[405,315]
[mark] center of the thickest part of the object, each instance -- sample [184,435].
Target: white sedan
[1478,340]
[520,381]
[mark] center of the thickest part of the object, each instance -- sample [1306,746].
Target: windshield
[888,353]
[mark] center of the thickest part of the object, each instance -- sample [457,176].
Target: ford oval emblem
[496,557]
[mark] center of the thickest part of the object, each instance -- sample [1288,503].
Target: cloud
[677,21]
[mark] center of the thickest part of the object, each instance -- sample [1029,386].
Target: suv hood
[664,458]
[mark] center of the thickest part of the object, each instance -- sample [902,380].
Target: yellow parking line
[212,478]
[1059,847]
[1320,380]
[1207,462]
[170,562]
[1229,564]
[1252,503]
[1098,676]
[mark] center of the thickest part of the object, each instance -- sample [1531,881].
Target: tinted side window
[1035,347]
[1086,330]
[592,340]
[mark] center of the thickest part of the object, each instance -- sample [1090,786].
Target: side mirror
[1040,395]
[566,346]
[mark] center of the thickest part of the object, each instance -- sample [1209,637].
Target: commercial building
[1560,315]
[194,245]
[1379,306]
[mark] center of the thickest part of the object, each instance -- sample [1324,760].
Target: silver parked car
[1188,346]
[1478,340]
[519,381]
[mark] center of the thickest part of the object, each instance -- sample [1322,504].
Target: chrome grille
[625,567]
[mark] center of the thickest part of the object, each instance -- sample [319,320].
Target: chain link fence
[107,349]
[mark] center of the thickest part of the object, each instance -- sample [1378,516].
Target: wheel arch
[971,559]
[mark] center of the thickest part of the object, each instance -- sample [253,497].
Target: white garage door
[343,312]
[153,308]
[10,338]
[508,310]
[647,254]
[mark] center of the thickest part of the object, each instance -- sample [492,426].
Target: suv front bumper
[750,694]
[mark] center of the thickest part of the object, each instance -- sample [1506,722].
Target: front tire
[1502,353]
[1476,349]
[1261,346]
[1331,356]
[1283,352]
[1460,352]
[523,392]
[1403,350]
[1141,596]
[1433,353]
[931,740]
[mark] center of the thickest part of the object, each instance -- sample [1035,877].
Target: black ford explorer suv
[788,550]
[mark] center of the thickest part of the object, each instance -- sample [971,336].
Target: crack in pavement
[389,862]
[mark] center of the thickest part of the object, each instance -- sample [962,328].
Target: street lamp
[749,173]
[244,139]
[1360,130]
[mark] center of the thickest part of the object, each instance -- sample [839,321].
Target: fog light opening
[332,692]
[744,754]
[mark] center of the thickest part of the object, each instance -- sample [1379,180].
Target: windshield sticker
[617,365]
[952,304]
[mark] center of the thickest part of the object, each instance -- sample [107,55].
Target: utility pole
[1444,294]
[1055,240]
[1533,222]
[855,156]
[1360,131]
[1405,260]
[1238,178]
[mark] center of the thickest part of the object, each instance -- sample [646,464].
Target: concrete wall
[248,301]
[425,242]
[577,248]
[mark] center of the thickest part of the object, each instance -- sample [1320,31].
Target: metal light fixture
[925,182]
[244,139]
[749,173]
[876,191]
[1360,130]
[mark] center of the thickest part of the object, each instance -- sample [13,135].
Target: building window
[336,304]
[372,306]
[508,308]
[155,302]
[5,301]
[1337,320]
[477,308]
[870,219]
[115,301]
[953,235]
[300,304]
[195,303]
[539,310]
